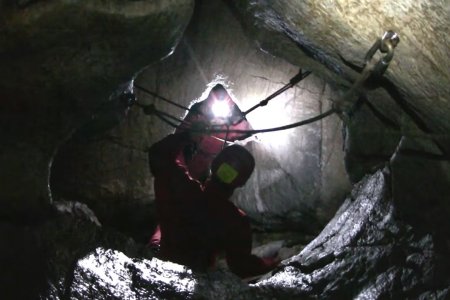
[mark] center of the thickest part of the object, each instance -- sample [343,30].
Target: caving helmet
[233,166]
[219,92]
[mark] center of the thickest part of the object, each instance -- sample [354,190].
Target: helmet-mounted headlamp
[221,109]
[221,103]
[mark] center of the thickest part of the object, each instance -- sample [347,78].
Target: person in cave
[197,221]
[217,111]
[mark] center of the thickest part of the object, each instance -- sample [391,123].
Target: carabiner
[386,44]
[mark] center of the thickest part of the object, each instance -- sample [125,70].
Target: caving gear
[219,92]
[233,166]
[198,222]
[294,80]
[386,45]
[199,119]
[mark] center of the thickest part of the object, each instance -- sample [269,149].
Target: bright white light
[276,113]
[221,109]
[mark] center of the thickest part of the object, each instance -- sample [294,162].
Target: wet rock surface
[74,181]
[42,253]
[365,252]
[108,274]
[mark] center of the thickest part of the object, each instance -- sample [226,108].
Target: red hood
[211,144]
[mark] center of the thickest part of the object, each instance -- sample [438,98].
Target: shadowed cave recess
[356,202]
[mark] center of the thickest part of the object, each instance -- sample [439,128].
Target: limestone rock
[299,179]
[365,252]
[65,65]
[332,38]
[109,274]
[333,33]
[60,61]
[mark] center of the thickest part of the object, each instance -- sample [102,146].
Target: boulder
[60,61]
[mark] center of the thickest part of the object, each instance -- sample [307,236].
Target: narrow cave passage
[280,235]
[299,179]
[359,208]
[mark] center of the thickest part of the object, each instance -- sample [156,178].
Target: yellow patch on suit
[226,173]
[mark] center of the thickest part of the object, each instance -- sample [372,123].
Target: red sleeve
[155,240]
[163,154]
[176,193]
[238,251]
[172,182]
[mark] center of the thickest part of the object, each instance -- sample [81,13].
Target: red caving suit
[198,222]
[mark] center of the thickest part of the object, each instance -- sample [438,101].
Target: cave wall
[334,36]
[56,79]
[299,179]
[60,61]
[298,171]
[386,112]
[365,252]
[397,115]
